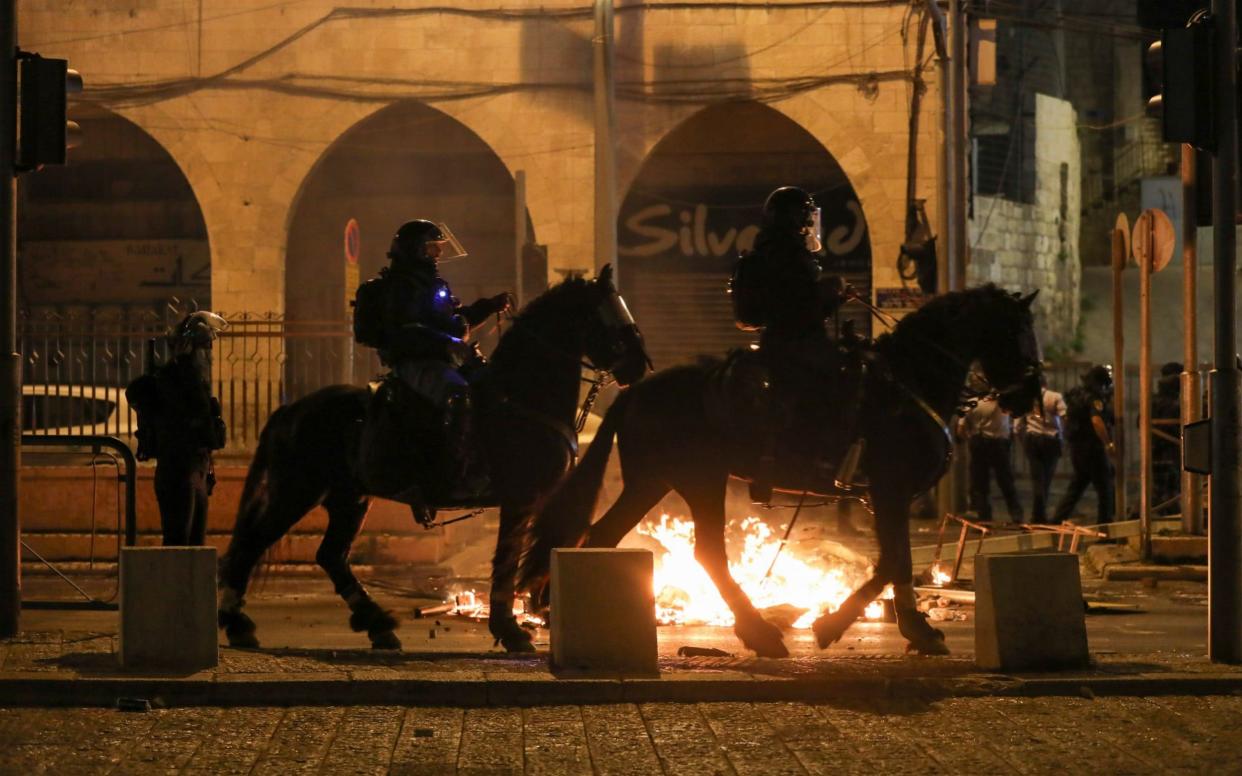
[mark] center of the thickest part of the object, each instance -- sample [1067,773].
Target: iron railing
[76,369]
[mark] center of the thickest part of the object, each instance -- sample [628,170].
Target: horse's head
[612,341]
[1009,350]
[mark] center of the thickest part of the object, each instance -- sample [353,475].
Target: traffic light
[45,133]
[1183,61]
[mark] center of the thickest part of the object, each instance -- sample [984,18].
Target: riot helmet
[1099,378]
[191,339]
[792,210]
[196,331]
[422,240]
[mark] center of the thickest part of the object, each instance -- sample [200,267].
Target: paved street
[962,735]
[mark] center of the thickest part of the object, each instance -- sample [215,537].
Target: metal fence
[76,368]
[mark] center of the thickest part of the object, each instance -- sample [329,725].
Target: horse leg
[346,514]
[500,621]
[245,550]
[636,500]
[892,525]
[707,505]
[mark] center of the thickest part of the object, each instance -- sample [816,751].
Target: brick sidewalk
[69,668]
[957,735]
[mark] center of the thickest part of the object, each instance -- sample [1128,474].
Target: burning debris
[793,592]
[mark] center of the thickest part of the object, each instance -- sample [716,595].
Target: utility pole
[10,361]
[957,62]
[605,132]
[1191,405]
[45,137]
[1225,527]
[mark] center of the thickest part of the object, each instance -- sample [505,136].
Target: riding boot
[468,480]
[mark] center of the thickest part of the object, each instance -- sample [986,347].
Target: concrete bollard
[603,610]
[1029,612]
[168,608]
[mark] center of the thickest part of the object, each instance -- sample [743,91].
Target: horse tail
[566,516]
[255,490]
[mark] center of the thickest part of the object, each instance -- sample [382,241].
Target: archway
[697,200]
[405,161]
[117,230]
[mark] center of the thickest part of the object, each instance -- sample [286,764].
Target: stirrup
[849,467]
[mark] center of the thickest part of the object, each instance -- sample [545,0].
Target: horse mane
[937,312]
[558,296]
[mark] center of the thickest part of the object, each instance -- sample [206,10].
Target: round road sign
[1154,239]
[352,242]
[1122,225]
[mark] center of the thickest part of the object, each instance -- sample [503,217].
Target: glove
[502,303]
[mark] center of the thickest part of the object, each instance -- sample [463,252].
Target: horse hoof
[385,640]
[829,628]
[239,629]
[510,635]
[929,643]
[933,648]
[246,640]
[763,637]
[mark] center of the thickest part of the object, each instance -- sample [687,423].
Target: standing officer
[987,430]
[1088,433]
[1041,431]
[180,425]
[780,289]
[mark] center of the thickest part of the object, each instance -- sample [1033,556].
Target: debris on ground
[702,652]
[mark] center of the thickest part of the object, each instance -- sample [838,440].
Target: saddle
[403,454]
[810,402]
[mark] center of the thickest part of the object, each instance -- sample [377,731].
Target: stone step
[378,548]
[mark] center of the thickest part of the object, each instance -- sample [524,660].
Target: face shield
[450,247]
[815,232]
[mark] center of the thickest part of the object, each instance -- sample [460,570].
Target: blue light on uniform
[442,293]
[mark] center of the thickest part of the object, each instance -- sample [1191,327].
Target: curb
[33,690]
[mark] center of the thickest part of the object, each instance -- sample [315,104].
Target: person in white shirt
[1041,431]
[986,428]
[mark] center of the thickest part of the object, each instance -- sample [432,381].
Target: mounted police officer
[180,425]
[780,289]
[422,333]
[1088,433]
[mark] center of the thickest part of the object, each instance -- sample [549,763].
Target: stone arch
[403,161]
[119,228]
[696,201]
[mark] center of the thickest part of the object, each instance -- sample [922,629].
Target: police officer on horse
[179,424]
[422,332]
[780,289]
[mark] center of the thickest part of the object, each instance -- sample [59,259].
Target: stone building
[227,144]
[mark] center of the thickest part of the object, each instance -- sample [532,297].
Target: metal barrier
[130,478]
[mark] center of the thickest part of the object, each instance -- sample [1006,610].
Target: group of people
[1081,423]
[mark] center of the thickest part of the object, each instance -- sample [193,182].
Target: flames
[939,577]
[805,587]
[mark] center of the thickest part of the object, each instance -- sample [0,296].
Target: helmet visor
[815,232]
[450,247]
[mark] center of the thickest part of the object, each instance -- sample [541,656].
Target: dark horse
[670,440]
[526,403]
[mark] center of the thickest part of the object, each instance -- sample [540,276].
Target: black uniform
[1090,459]
[185,426]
